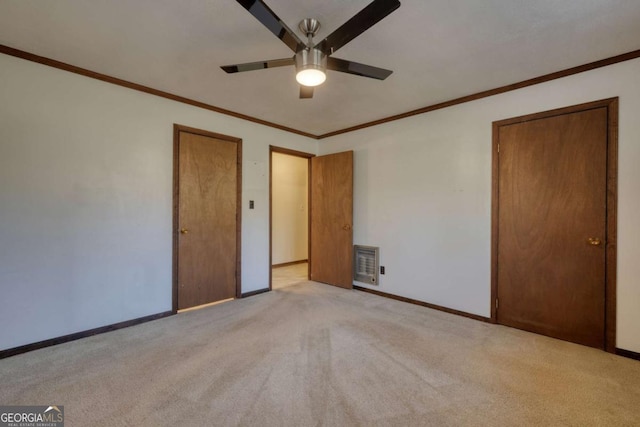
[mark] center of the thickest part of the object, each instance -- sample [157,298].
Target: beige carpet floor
[282,277]
[315,355]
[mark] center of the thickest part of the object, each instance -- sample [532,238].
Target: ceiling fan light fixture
[311,77]
[311,66]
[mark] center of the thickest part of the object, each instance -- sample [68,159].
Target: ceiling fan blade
[306,92]
[260,65]
[358,69]
[358,24]
[270,20]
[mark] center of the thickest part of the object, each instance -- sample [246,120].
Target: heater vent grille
[365,264]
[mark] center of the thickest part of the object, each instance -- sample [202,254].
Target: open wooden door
[331,254]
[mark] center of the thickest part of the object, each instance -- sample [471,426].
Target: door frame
[176,204]
[302,154]
[611,104]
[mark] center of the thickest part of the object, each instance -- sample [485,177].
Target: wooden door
[552,224]
[331,255]
[207,227]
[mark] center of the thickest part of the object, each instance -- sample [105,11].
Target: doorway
[330,206]
[289,179]
[206,217]
[554,223]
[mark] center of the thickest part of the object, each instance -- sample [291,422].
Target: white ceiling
[439,49]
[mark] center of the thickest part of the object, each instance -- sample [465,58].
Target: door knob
[184,231]
[347,227]
[594,241]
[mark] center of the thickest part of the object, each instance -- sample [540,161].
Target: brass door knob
[184,231]
[594,241]
[347,227]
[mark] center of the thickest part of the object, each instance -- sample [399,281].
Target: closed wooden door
[552,225]
[331,254]
[207,226]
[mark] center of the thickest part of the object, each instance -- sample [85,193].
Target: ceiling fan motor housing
[311,59]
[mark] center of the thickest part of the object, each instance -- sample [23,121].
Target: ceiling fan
[312,60]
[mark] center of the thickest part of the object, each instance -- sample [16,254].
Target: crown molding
[141,88]
[468,98]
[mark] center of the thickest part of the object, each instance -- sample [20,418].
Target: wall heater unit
[365,264]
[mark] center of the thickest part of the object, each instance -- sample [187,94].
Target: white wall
[86,187]
[423,192]
[86,200]
[290,212]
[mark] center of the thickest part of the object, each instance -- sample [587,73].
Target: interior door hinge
[498,148]
[496,303]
